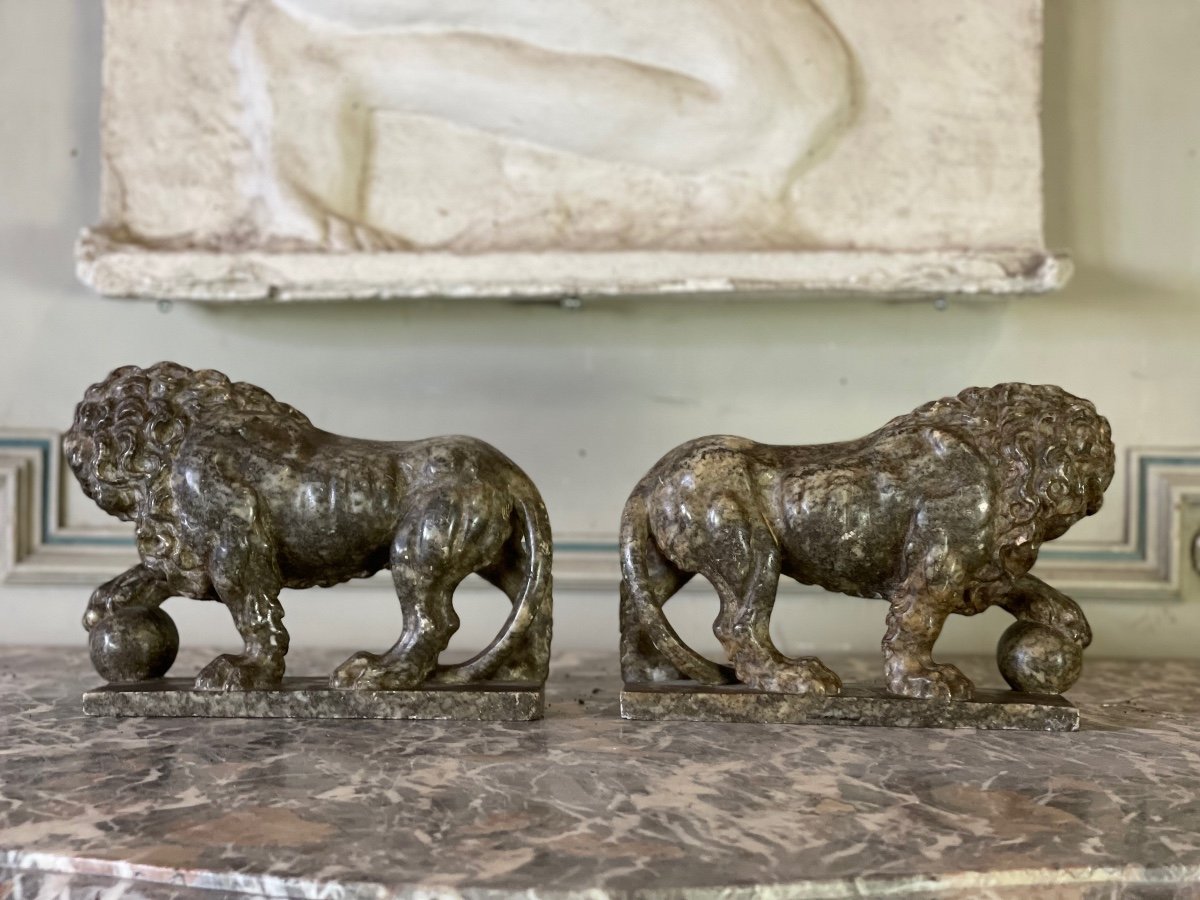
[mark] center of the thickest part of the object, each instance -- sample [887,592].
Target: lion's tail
[649,645]
[521,652]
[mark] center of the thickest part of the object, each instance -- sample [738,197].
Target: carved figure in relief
[743,95]
[236,495]
[940,511]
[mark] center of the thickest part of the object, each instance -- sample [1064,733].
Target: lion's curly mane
[128,428]
[1053,454]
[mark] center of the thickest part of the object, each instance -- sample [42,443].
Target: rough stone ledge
[312,698]
[119,269]
[863,705]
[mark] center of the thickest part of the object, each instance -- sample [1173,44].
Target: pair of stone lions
[940,511]
[237,495]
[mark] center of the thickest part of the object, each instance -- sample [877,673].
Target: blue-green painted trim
[585,547]
[1140,551]
[44,448]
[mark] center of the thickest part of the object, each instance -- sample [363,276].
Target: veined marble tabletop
[584,804]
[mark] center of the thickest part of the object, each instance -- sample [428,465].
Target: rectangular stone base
[312,698]
[856,705]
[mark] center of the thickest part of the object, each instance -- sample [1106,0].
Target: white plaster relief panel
[363,148]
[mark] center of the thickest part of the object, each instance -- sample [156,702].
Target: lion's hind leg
[526,656]
[448,533]
[740,557]
[650,648]
[641,658]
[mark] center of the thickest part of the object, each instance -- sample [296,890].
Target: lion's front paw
[100,607]
[367,672]
[95,614]
[800,676]
[1072,625]
[238,673]
[940,681]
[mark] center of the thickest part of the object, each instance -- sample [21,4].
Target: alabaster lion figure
[236,495]
[940,511]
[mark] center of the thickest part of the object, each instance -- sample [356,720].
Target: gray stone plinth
[856,705]
[312,698]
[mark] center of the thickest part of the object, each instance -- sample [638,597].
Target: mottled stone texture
[854,705]
[312,698]
[940,511]
[587,806]
[236,496]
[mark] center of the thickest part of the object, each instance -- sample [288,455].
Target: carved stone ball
[134,644]
[1037,659]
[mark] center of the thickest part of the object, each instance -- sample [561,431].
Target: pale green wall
[585,400]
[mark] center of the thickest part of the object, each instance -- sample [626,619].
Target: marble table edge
[959,884]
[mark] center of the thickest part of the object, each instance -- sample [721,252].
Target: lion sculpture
[236,495]
[940,511]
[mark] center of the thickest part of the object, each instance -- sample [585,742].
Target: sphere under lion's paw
[1037,659]
[133,644]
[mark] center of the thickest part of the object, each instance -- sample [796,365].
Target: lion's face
[1066,457]
[98,466]
[1068,503]
[124,433]
[128,431]
[1052,455]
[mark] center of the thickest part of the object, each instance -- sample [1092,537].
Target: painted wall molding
[1154,560]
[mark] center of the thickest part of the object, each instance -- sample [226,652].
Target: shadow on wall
[1121,140]
[1071,100]
[38,217]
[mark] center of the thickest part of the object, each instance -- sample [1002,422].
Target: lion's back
[841,513]
[701,467]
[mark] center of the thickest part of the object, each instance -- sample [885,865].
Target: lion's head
[129,426]
[1053,454]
